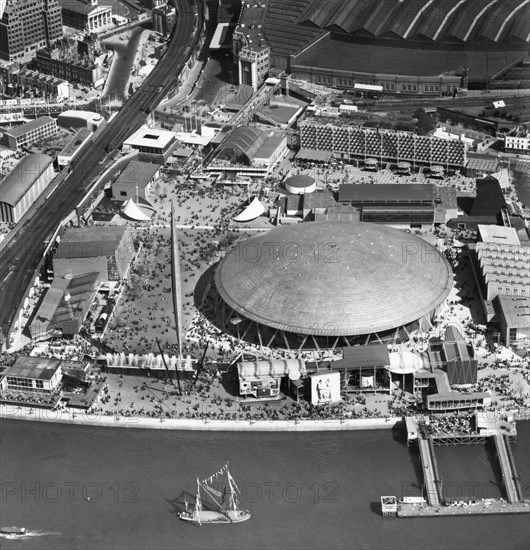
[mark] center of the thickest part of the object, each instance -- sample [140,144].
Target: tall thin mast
[198,504]
[176,283]
[233,490]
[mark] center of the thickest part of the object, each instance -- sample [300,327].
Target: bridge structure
[510,478]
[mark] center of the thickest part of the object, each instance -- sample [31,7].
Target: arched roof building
[23,185]
[424,47]
[242,142]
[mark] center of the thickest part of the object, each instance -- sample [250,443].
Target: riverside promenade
[121,421]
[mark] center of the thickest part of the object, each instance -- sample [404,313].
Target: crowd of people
[447,424]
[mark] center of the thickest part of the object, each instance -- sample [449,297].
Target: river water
[78,487]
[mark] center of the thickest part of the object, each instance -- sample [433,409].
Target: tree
[425,124]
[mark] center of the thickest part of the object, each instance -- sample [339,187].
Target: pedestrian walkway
[428,472]
[508,475]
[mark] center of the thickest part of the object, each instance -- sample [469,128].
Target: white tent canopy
[404,362]
[251,212]
[131,210]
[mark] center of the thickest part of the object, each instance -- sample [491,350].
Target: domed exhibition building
[325,284]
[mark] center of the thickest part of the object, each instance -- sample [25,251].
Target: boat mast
[234,490]
[198,504]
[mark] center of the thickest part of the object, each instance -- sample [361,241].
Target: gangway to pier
[429,472]
[508,472]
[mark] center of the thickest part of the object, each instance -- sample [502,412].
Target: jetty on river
[502,431]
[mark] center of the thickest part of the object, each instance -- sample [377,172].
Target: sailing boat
[221,489]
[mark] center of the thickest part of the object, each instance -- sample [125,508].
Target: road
[121,65]
[21,258]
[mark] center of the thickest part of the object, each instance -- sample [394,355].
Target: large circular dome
[334,278]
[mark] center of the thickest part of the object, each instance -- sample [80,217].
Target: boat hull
[12,531]
[209,516]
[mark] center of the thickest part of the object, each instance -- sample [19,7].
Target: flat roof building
[135,180]
[498,234]
[23,186]
[386,193]
[410,204]
[42,374]
[74,146]
[30,132]
[152,144]
[445,204]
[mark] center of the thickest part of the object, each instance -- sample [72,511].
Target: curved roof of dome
[300,180]
[334,278]
[20,180]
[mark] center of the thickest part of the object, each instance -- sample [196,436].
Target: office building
[250,47]
[164,18]
[30,132]
[27,26]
